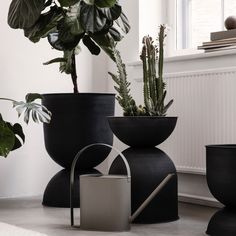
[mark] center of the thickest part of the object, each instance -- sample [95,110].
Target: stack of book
[222,40]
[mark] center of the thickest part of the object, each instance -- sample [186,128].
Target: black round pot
[142,131]
[222,223]
[149,166]
[78,120]
[221,172]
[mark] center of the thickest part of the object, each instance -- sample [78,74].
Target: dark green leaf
[92,47]
[107,43]
[67,3]
[71,20]
[48,3]
[64,41]
[19,135]
[105,3]
[24,13]
[46,23]
[7,138]
[30,97]
[91,19]
[112,13]
[56,60]
[123,23]
[101,3]
[67,65]
[116,35]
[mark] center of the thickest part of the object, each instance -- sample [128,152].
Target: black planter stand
[77,121]
[149,165]
[221,179]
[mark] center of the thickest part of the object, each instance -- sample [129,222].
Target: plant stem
[7,99]
[74,74]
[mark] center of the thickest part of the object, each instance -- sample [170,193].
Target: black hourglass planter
[149,165]
[77,120]
[221,180]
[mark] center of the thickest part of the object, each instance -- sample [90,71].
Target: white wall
[26,171]
[192,185]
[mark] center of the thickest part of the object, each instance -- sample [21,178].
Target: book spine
[223,35]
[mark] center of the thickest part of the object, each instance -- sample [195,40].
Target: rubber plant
[67,23]
[154,92]
[12,135]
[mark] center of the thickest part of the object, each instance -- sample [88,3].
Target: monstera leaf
[38,112]
[24,13]
[11,137]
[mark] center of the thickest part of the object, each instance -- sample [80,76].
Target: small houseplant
[142,128]
[154,94]
[78,118]
[11,135]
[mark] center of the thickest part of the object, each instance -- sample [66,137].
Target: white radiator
[205,103]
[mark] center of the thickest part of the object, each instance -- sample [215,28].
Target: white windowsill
[195,56]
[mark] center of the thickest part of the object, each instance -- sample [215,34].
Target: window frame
[175,41]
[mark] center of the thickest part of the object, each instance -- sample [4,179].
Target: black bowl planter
[149,165]
[77,120]
[221,180]
[142,131]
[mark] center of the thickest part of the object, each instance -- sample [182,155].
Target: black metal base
[57,192]
[223,223]
[149,166]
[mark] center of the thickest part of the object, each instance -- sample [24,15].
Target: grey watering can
[105,200]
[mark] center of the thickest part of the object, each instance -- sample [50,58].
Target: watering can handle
[72,173]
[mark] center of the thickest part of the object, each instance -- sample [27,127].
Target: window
[192,21]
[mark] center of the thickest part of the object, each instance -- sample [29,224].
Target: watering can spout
[151,196]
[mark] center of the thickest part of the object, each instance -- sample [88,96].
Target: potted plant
[78,118]
[11,135]
[142,128]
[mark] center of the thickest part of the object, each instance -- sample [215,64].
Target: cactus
[124,98]
[154,87]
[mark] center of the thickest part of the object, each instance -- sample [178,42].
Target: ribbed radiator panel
[205,103]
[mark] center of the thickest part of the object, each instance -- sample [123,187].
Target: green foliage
[24,13]
[154,88]
[124,98]
[66,23]
[154,92]
[12,135]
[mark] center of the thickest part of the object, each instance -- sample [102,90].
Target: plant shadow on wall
[142,128]
[11,135]
[78,119]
